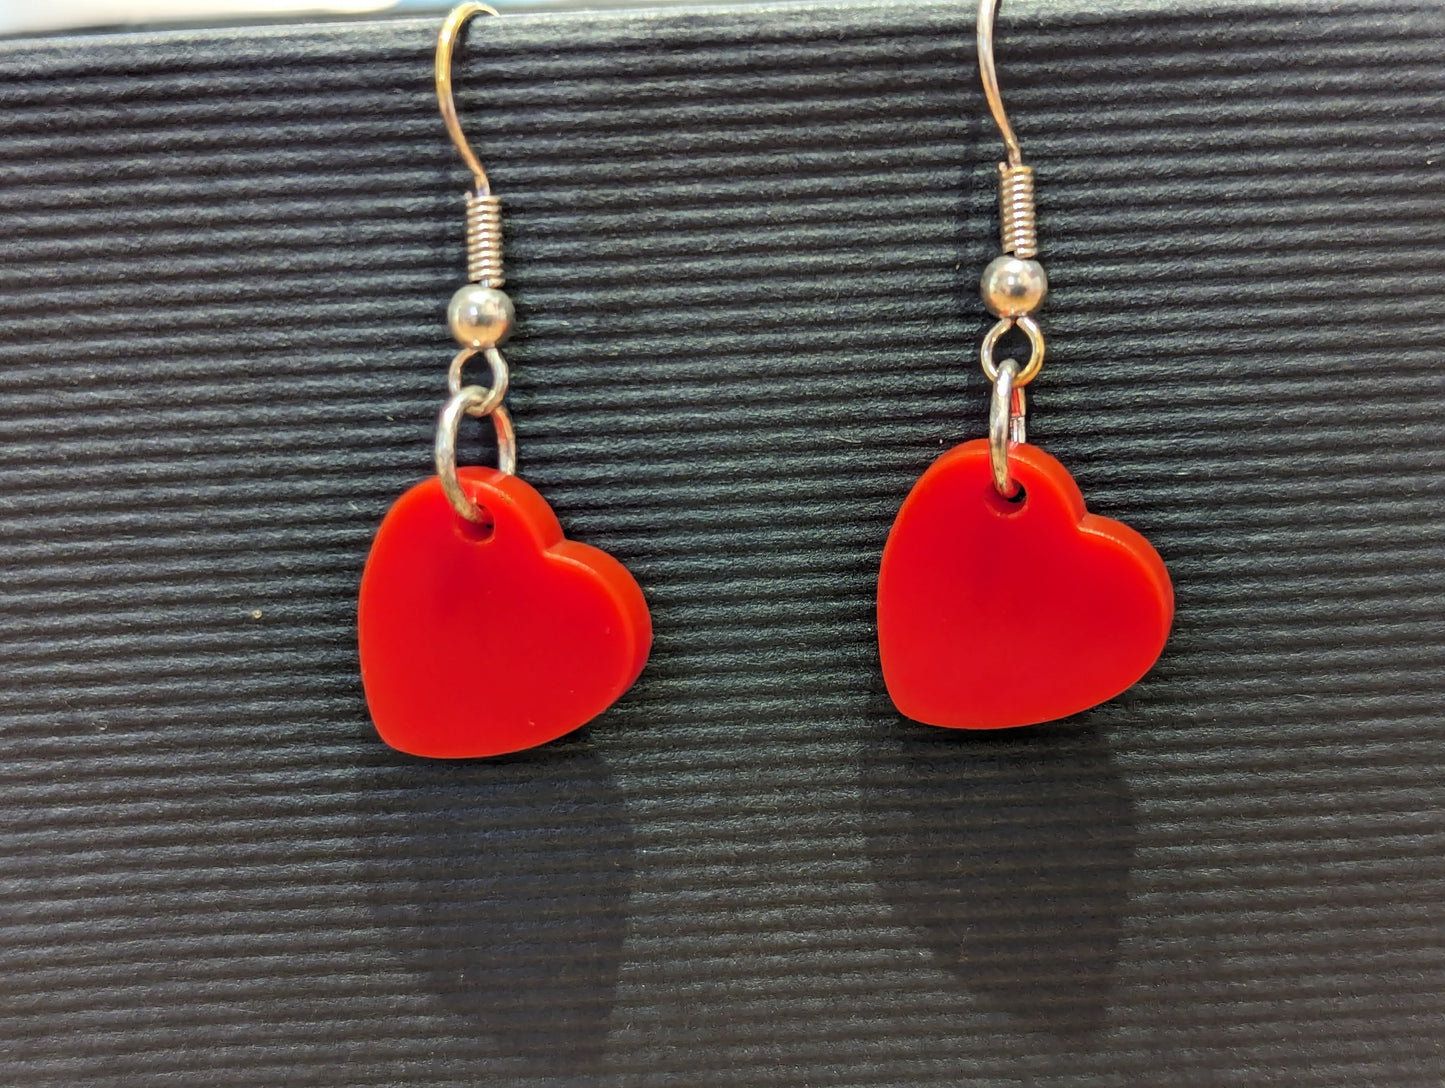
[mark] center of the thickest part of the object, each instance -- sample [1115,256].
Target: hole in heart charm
[477,640]
[994,613]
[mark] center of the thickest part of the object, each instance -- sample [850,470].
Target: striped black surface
[743,248]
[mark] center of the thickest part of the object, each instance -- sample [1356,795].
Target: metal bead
[1013,287]
[479,316]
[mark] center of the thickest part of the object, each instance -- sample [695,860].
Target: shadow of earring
[504,889]
[1010,851]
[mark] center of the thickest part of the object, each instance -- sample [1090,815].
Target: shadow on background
[504,885]
[1011,852]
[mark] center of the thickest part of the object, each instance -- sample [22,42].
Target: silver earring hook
[457,18]
[987,13]
[479,314]
[1014,285]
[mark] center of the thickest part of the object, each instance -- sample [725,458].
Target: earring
[1001,601]
[481,629]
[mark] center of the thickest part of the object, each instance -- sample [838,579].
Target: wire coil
[484,240]
[1017,214]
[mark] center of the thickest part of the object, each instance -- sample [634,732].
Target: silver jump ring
[459,404]
[1030,329]
[501,377]
[1000,417]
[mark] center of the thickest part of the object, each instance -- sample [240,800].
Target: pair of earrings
[1001,600]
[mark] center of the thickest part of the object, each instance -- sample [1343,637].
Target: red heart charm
[994,613]
[477,641]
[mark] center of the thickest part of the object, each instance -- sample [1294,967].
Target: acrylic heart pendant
[994,613]
[478,640]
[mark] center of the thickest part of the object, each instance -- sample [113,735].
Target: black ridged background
[743,248]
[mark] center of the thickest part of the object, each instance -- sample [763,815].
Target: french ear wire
[480,315]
